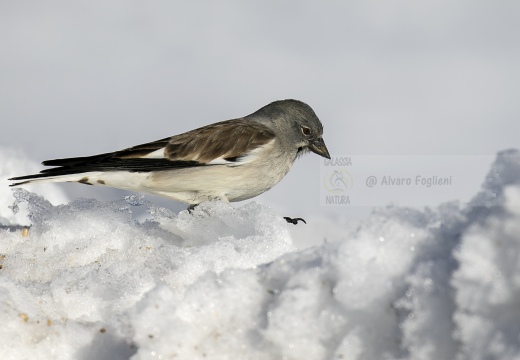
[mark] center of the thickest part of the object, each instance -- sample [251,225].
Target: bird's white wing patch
[244,159]
[157,154]
[221,161]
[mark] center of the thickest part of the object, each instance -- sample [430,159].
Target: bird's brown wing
[228,141]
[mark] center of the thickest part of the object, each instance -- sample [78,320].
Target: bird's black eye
[306,131]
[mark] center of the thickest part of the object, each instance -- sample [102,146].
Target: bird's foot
[294,221]
[192,207]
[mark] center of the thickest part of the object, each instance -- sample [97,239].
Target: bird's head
[297,123]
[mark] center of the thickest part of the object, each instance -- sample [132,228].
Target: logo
[338,181]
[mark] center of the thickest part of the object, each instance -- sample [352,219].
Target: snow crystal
[90,281]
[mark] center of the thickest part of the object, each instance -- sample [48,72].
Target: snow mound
[91,282]
[16,163]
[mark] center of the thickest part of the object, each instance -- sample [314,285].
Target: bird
[231,160]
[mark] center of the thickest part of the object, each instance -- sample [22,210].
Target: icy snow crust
[91,282]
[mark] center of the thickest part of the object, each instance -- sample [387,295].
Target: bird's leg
[192,207]
[294,221]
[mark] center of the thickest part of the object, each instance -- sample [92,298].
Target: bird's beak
[318,147]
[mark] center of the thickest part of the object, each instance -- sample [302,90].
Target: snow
[15,162]
[90,281]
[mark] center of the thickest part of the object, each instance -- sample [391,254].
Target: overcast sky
[385,78]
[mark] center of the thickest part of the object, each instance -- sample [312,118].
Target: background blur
[385,78]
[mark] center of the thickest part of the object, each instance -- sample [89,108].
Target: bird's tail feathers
[46,178]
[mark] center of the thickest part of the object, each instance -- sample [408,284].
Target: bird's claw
[294,221]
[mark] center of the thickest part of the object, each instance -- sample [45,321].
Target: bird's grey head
[296,123]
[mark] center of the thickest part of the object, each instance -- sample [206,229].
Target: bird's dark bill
[318,147]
